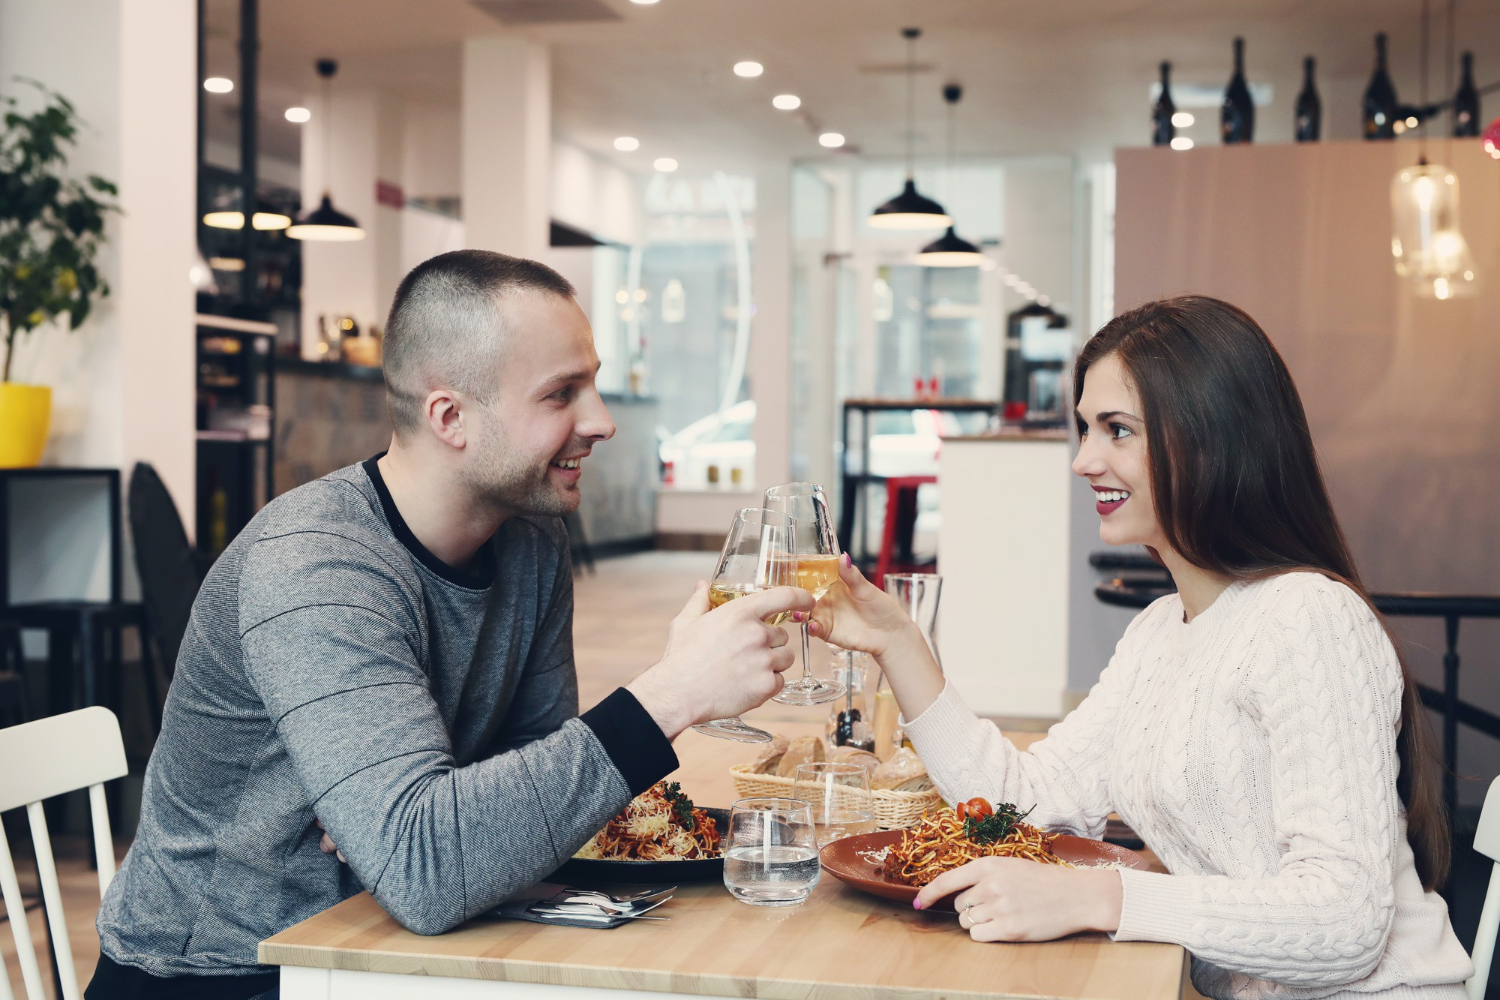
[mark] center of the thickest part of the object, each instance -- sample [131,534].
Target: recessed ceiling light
[786,102]
[665,164]
[298,115]
[748,68]
[1183,119]
[627,144]
[832,140]
[218,85]
[644,3]
[1182,142]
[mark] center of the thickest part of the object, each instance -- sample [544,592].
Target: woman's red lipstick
[1117,500]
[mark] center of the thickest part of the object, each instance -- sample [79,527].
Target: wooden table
[839,944]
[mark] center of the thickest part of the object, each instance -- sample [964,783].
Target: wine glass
[817,570]
[839,796]
[770,852]
[759,554]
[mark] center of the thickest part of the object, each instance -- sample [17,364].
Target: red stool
[900,505]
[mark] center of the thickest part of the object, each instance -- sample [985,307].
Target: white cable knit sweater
[1254,750]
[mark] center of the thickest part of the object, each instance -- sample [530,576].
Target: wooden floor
[620,625]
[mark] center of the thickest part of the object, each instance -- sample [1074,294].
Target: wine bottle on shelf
[1380,105]
[1237,117]
[1162,129]
[1309,105]
[1466,102]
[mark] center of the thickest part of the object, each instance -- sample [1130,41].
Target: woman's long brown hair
[1238,490]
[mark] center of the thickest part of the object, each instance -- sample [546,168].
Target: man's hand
[722,662]
[326,844]
[1012,899]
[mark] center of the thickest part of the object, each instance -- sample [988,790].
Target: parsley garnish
[682,806]
[993,829]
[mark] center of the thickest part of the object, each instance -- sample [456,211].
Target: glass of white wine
[759,554]
[817,557]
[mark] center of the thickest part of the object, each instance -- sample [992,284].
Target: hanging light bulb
[1428,245]
[910,209]
[325,222]
[950,249]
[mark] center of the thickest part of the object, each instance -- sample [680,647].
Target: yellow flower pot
[25,412]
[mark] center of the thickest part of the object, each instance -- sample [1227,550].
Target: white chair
[1487,842]
[41,759]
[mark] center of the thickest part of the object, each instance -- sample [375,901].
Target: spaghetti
[945,841]
[660,824]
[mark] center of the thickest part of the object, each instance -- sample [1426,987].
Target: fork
[644,896]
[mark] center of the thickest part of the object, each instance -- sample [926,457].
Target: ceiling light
[748,68]
[831,140]
[627,144]
[950,250]
[298,115]
[644,3]
[1182,119]
[665,164]
[263,221]
[218,85]
[1182,142]
[909,209]
[786,102]
[326,223]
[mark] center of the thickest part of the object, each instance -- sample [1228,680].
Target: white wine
[816,574]
[721,594]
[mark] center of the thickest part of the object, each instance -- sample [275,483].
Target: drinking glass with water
[771,852]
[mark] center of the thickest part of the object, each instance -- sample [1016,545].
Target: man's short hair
[446,331]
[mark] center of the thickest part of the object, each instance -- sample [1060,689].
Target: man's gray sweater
[335,670]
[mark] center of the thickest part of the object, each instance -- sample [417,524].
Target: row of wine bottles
[1384,116]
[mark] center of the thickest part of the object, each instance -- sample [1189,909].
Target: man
[387,652]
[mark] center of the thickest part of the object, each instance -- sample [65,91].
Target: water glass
[918,594]
[771,852]
[839,797]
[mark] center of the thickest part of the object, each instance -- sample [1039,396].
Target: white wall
[596,196]
[123,383]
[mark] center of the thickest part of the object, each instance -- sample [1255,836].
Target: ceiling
[1066,76]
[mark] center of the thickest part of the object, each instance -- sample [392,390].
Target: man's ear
[444,411]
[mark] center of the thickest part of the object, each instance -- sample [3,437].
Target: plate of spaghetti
[659,835]
[895,864]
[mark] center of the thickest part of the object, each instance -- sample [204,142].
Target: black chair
[169,570]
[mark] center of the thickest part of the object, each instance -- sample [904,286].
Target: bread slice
[803,750]
[854,755]
[770,755]
[904,772]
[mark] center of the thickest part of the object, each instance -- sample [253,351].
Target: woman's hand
[1012,899]
[856,614]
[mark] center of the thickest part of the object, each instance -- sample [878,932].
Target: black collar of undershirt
[481,574]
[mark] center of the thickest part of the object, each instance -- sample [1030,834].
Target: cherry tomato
[978,809]
[962,810]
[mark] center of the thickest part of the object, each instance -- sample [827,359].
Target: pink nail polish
[847,560]
[916,904]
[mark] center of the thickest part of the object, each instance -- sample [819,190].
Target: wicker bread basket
[893,810]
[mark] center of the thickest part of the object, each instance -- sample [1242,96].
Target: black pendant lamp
[950,249]
[326,223]
[910,209]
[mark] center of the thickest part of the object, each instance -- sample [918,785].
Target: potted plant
[51,230]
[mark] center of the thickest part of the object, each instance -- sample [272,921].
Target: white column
[123,384]
[362,133]
[507,145]
[770,331]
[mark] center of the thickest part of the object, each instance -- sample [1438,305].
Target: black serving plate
[583,870]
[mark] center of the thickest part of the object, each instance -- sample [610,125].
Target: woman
[1257,728]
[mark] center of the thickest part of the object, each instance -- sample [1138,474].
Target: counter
[839,945]
[1003,552]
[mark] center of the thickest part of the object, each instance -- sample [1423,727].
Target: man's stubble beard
[499,478]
